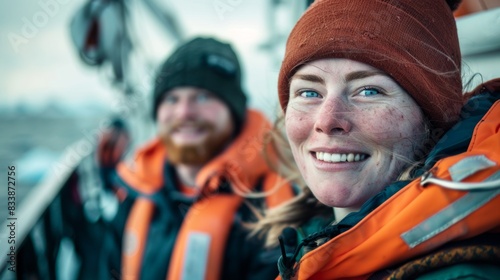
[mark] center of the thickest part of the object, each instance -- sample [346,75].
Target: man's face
[194,125]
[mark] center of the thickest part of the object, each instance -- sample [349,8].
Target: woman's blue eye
[309,94]
[369,91]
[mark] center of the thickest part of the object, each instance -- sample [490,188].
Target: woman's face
[352,129]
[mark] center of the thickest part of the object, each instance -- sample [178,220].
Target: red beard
[196,154]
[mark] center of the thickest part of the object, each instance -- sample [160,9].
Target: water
[32,144]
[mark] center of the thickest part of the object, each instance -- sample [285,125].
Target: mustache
[198,124]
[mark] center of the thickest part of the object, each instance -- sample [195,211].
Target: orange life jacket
[422,216]
[208,221]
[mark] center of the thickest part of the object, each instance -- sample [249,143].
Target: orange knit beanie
[413,41]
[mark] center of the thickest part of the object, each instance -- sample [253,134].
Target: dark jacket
[151,179]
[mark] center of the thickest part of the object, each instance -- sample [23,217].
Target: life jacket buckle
[492,182]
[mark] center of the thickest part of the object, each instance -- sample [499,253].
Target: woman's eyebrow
[356,75]
[309,78]
[363,74]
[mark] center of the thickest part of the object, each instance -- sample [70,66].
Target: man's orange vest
[210,218]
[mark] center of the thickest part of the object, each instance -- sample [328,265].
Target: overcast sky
[39,62]
[43,65]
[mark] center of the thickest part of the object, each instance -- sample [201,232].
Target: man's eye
[309,94]
[170,99]
[369,91]
[202,97]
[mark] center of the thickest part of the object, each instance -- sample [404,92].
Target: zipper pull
[288,244]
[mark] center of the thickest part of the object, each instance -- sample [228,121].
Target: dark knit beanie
[413,41]
[205,63]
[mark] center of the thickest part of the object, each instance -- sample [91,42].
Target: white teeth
[350,157]
[335,157]
[343,157]
[327,157]
[319,155]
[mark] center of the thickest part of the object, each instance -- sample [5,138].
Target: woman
[380,131]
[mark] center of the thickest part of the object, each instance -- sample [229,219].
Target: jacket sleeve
[246,257]
[262,262]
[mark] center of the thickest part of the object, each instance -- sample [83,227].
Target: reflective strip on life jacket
[213,218]
[468,166]
[135,236]
[450,215]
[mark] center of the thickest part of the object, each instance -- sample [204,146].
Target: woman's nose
[334,117]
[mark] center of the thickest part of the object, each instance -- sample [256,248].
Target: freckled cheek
[375,124]
[297,127]
[411,124]
[388,123]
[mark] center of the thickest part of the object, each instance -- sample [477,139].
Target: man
[182,213]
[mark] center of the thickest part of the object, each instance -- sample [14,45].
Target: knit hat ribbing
[205,63]
[414,42]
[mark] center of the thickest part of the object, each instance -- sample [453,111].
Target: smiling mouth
[188,130]
[327,157]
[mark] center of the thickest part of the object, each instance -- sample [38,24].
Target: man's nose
[185,109]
